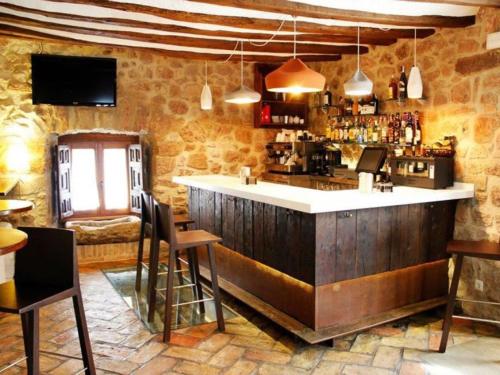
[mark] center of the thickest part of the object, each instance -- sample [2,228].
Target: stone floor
[250,345]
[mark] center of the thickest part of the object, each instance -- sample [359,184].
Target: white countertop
[317,201]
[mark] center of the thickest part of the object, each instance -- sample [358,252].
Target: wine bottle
[403,83]
[327,97]
[409,130]
[417,138]
[392,92]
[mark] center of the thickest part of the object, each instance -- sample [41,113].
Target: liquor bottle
[328,131]
[346,131]
[374,104]
[390,130]
[383,131]
[417,138]
[409,130]
[403,82]
[364,131]
[348,107]
[370,130]
[396,128]
[375,133]
[355,107]
[352,133]
[327,97]
[392,89]
[402,128]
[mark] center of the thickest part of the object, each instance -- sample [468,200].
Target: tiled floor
[250,345]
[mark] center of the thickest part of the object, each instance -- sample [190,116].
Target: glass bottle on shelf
[340,131]
[328,129]
[397,128]
[327,97]
[402,128]
[383,129]
[390,130]
[355,107]
[369,131]
[352,132]
[346,131]
[348,107]
[364,131]
[409,130]
[375,132]
[417,138]
[392,89]
[403,82]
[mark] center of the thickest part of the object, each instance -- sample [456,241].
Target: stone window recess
[98,176]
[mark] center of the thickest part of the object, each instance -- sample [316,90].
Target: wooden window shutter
[136,177]
[64,181]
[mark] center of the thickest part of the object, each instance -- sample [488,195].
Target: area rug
[123,280]
[477,357]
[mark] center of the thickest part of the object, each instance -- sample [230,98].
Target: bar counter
[323,264]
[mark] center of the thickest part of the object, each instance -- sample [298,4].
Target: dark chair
[189,240]
[46,272]
[147,227]
[475,249]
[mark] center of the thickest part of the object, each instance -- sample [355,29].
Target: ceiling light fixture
[206,94]
[294,76]
[359,84]
[244,95]
[415,86]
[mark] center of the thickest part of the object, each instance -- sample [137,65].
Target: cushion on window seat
[90,232]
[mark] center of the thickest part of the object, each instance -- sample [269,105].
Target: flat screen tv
[72,80]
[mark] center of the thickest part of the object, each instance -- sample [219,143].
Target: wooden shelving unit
[281,105]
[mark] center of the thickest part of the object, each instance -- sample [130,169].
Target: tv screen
[71,80]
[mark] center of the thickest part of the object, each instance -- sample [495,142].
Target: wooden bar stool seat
[475,249]
[12,240]
[191,241]
[194,238]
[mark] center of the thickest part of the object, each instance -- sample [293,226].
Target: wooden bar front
[329,272]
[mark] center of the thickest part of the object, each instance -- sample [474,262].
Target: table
[13,206]
[12,240]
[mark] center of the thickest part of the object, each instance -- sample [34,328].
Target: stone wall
[462,89]
[155,94]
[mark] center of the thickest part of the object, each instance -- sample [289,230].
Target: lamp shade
[206,98]
[415,86]
[358,85]
[243,95]
[294,77]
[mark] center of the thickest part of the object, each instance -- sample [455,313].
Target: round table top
[12,240]
[12,206]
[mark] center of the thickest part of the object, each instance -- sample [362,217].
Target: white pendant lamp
[359,84]
[415,86]
[244,95]
[206,94]
[294,76]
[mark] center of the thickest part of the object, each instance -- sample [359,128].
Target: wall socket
[479,285]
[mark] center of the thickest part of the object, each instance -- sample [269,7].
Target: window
[102,176]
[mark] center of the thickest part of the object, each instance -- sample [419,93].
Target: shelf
[371,144]
[365,115]
[279,125]
[401,101]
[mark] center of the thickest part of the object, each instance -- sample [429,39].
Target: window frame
[99,142]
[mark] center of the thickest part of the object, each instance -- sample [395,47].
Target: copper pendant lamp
[294,76]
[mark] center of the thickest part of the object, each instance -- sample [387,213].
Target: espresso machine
[290,157]
[324,160]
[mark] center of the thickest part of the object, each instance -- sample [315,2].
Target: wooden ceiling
[210,29]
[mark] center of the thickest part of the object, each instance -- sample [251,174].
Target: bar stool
[147,221]
[190,240]
[475,249]
[46,272]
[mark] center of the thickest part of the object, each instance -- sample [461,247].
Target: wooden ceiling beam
[250,23]
[272,47]
[473,3]
[18,32]
[383,38]
[314,11]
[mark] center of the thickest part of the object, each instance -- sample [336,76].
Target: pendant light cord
[358,48]
[241,70]
[263,44]
[415,50]
[206,72]
[294,37]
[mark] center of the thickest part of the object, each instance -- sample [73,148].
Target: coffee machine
[290,157]
[324,160]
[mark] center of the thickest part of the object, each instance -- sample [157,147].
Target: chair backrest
[49,258]
[147,207]
[165,224]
